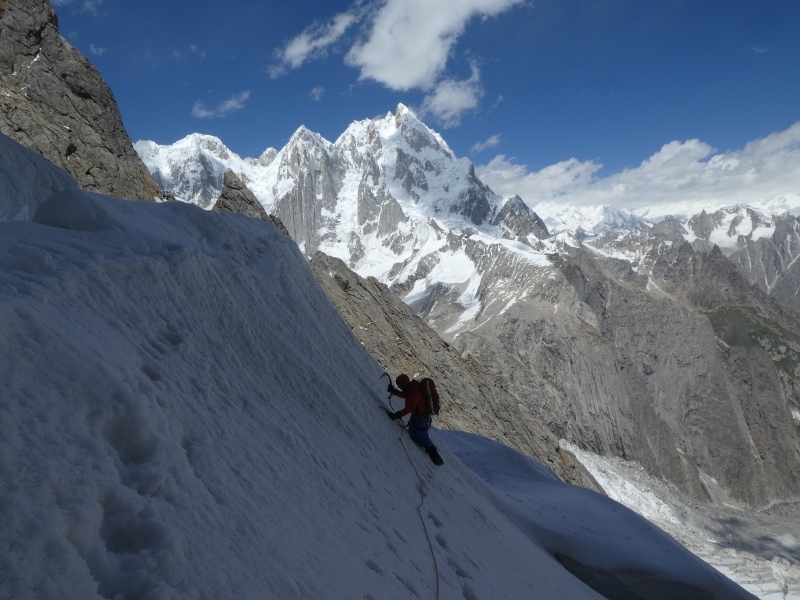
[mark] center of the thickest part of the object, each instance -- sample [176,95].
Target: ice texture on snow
[26,180]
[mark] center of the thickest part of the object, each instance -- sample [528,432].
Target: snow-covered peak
[305,137]
[588,220]
[415,133]
[726,226]
[205,143]
[265,159]
[192,168]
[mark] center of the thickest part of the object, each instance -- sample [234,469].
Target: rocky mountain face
[694,380]
[54,102]
[235,197]
[625,336]
[472,399]
[771,262]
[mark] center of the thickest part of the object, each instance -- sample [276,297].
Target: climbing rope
[421,494]
[421,518]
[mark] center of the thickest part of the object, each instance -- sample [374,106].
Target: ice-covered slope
[185,415]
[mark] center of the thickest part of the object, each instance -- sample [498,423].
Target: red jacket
[412,396]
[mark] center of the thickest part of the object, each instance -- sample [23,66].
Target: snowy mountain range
[185,415]
[389,194]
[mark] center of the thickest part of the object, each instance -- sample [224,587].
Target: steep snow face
[26,180]
[185,415]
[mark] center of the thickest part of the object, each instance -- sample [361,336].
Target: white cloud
[403,45]
[759,49]
[232,104]
[317,93]
[314,41]
[410,41]
[489,142]
[679,174]
[451,99]
[96,50]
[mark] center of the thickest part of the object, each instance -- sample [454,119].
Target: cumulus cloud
[403,45]
[409,41]
[489,142]
[314,41]
[232,104]
[451,99]
[96,50]
[679,175]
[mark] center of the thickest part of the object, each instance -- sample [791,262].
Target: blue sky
[605,84]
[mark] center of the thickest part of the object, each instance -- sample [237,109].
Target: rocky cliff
[54,102]
[235,197]
[472,399]
[690,371]
[771,262]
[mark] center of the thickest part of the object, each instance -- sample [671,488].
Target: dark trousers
[418,430]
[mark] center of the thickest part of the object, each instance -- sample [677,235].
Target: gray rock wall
[684,384]
[54,102]
[236,197]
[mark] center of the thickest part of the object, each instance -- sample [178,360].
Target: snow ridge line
[421,518]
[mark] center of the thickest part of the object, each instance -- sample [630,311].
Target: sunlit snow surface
[184,415]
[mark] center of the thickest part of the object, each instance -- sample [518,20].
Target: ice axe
[389,377]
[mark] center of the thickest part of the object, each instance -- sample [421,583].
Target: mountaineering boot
[434,454]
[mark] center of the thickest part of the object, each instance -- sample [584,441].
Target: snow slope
[184,415]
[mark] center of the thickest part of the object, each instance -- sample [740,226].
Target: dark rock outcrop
[520,220]
[53,101]
[473,400]
[236,197]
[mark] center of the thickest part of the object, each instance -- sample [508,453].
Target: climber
[422,402]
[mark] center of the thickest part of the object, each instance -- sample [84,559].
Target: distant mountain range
[385,196]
